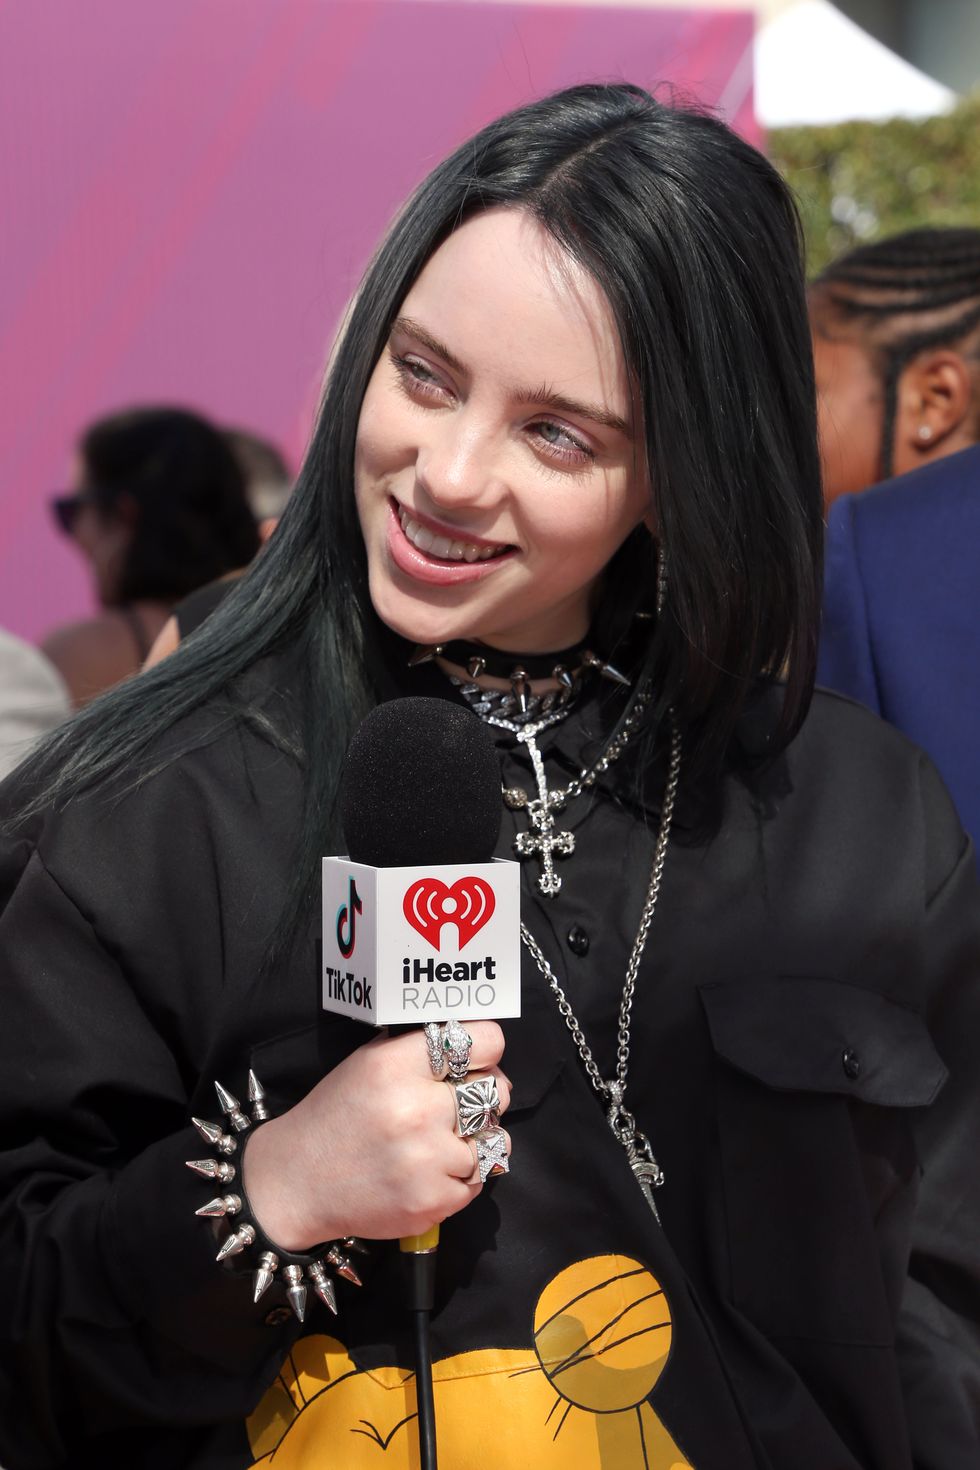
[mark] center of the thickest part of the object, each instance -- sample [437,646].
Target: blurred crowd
[168,509]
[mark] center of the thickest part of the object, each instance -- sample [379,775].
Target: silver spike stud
[424,653]
[215,1169]
[295,1290]
[243,1237]
[323,1285]
[256,1096]
[212,1134]
[475,666]
[224,1204]
[564,678]
[229,1104]
[521,689]
[607,671]
[342,1265]
[267,1268]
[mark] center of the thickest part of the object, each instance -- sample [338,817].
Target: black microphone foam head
[421,786]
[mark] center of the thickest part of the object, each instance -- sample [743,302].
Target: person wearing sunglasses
[158,508]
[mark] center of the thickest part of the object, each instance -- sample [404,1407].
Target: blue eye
[416,376]
[561,443]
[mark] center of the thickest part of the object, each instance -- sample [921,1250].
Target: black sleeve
[939,1328]
[115,1312]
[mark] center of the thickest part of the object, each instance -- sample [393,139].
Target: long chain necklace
[543,840]
[639,1152]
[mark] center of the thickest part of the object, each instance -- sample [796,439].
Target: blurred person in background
[268,482]
[896,334]
[901,621]
[33,699]
[158,507]
[896,342]
[268,485]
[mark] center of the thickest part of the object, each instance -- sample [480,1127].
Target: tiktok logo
[346,922]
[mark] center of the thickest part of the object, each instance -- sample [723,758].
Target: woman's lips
[438,571]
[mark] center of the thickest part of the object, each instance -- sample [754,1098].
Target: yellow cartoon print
[575,1400]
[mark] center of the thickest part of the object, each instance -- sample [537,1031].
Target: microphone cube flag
[417,944]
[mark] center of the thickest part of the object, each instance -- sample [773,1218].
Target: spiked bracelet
[294,1267]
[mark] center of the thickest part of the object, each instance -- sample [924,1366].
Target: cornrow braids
[906,294]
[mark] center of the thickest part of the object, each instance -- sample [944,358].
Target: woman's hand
[372,1149]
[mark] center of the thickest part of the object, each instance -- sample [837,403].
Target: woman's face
[850,414]
[498,463]
[102,538]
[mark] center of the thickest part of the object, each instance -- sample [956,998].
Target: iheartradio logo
[429,904]
[405,967]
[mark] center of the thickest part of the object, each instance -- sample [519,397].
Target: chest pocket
[817,1082]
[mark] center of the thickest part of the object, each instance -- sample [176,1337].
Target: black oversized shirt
[811,977]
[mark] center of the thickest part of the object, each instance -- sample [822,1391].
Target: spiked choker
[517,703]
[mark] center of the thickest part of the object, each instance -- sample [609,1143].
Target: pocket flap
[803,1033]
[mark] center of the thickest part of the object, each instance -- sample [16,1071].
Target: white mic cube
[416,944]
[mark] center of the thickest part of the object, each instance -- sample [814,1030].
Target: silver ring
[477,1104]
[491,1154]
[433,1045]
[456,1045]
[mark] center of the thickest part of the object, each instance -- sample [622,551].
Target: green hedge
[859,181]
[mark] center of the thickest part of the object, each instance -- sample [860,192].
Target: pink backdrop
[192,189]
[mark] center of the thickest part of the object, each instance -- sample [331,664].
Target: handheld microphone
[420,922]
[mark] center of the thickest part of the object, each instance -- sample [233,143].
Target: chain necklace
[543,841]
[646,1170]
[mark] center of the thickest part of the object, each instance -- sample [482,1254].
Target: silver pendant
[646,1171]
[544,843]
[649,1176]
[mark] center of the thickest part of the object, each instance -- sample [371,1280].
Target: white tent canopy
[813,65]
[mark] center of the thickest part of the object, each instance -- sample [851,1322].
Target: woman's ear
[933,412]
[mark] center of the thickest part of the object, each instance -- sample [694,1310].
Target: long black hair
[696,242]
[192,519]
[901,296]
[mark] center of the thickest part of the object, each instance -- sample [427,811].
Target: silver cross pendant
[544,843]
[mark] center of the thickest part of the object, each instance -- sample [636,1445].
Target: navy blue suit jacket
[901,629]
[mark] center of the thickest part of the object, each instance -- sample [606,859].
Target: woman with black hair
[158,509]
[565,472]
[896,338]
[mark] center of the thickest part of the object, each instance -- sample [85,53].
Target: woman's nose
[458,463]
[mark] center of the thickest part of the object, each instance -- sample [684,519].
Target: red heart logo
[430,903]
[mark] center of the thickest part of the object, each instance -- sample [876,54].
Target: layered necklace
[526,715]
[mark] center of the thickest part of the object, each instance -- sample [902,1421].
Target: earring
[661,578]
[924,433]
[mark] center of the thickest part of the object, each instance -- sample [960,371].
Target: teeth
[441,546]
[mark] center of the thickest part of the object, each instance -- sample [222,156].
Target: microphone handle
[420,1252]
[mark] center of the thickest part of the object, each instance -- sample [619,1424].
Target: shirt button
[578,940]
[851,1063]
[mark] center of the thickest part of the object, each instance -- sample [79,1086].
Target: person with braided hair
[896,329]
[896,341]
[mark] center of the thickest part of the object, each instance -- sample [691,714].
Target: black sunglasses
[65,510]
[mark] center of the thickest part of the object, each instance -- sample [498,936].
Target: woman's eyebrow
[415,329]
[547,398]
[544,397]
